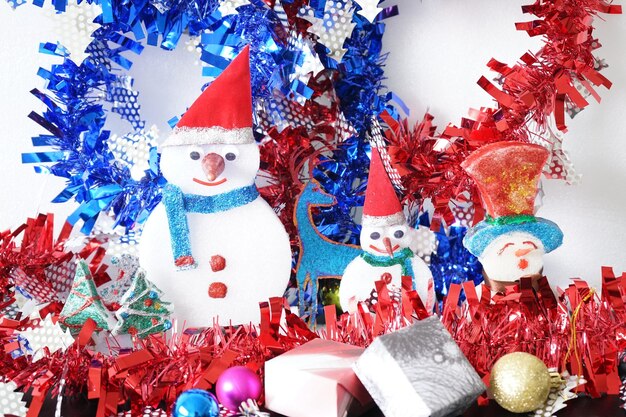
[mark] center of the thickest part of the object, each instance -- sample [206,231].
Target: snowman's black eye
[398,234]
[375,235]
[194,155]
[230,156]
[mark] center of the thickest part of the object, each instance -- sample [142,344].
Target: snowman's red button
[218,263]
[217,290]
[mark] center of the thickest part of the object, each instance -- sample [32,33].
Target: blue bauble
[196,403]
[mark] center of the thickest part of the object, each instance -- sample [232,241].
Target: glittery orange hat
[507,176]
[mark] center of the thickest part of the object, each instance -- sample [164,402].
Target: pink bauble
[236,385]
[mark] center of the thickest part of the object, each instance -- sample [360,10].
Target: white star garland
[192,45]
[423,242]
[559,395]
[134,150]
[282,15]
[60,276]
[10,311]
[47,335]
[369,9]
[34,288]
[228,7]
[73,28]
[377,140]
[10,401]
[124,244]
[560,165]
[334,27]
[311,63]
[250,408]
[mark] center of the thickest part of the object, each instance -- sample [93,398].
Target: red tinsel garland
[290,154]
[37,250]
[537,322]
[532,92]
[158,369]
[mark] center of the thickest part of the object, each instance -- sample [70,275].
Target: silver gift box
[419,371]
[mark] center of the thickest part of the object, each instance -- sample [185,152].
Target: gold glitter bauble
[520,382]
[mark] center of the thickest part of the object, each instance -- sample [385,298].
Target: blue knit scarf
[178,204]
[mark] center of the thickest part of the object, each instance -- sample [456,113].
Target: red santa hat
[382,207]
[222,113]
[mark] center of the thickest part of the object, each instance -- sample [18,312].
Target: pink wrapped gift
[316,380]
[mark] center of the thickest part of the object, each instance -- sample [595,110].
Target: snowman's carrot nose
[212,165]
[522,252]
[387,243]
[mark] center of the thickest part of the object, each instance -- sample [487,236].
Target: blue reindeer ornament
[319,257]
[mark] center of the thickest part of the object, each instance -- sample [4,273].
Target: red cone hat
[382,207]
[507,175]
[223,112]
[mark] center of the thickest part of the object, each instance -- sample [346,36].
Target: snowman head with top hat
[384,228]
[511,241]
[212,148]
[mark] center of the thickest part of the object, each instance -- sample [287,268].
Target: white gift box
[316,380]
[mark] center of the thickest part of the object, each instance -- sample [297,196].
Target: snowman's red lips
[522,264]
[210,184]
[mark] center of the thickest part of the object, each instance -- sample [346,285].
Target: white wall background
[438,49]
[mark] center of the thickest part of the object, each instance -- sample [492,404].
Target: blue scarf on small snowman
[178,204]
[402,258]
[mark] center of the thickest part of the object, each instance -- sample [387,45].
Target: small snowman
[386,241]
[511,241]
[213,246]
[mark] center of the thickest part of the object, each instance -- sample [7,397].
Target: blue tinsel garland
[79,95]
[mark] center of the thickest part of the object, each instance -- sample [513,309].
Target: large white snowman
[386,240]
[213,245]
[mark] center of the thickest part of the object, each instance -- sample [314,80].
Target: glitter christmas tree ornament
[83,303]
[142,310]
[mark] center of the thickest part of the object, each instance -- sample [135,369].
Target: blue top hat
[479,236]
